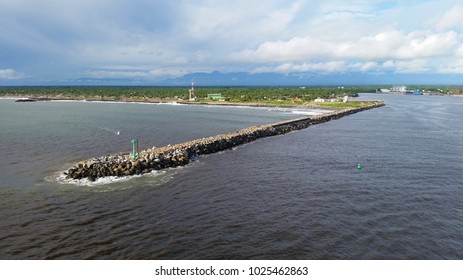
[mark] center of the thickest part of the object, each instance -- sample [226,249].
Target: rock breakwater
[180,154]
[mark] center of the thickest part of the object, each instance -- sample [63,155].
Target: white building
[399,89]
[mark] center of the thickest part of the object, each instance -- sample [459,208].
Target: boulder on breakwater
[180,154]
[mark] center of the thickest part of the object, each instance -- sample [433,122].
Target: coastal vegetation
[231,94]
[271,96]
[257,96]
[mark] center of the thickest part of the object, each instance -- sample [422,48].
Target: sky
[215,42]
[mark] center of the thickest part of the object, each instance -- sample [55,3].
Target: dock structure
[180,154]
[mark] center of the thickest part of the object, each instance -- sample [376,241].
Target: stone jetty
[180,154]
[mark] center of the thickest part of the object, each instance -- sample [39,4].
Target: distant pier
[180,154]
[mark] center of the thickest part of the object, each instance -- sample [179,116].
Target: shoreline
[48,98]
[122,164]
[303,110]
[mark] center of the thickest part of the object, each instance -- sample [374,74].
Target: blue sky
[230,42]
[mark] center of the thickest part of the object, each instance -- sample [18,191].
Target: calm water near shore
[295,196]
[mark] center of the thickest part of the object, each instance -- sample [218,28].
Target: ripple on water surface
[295,196]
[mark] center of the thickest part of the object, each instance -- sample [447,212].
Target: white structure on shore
[191,92]
[399,89]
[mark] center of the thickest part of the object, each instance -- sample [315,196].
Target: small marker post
[134,153]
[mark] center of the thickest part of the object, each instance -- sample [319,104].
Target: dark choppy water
[295,196]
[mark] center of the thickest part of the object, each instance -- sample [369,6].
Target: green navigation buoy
[359,166]
[134,153]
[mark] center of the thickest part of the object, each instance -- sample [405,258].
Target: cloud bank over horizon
[150,42]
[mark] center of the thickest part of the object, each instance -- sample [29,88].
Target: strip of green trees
[231,94]
[269,95]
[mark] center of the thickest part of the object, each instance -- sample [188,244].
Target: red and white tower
[192,91]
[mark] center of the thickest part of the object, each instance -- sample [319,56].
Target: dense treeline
[232,94]
[269,95]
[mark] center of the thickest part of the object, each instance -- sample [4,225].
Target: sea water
[294,196]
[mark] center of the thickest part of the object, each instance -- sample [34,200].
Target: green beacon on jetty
[134,153]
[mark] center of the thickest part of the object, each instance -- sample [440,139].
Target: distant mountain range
[266,79]
[296,79]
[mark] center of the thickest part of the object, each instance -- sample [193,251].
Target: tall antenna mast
[192,91]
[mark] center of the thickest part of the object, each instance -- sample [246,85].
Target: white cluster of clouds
[437,46]
[387,50]
[381,46]
[152,40]
[10,74]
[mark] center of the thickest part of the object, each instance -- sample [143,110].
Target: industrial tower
[192,91]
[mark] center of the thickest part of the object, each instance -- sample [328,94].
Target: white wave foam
[307,113]
[172,103]
[60,179]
